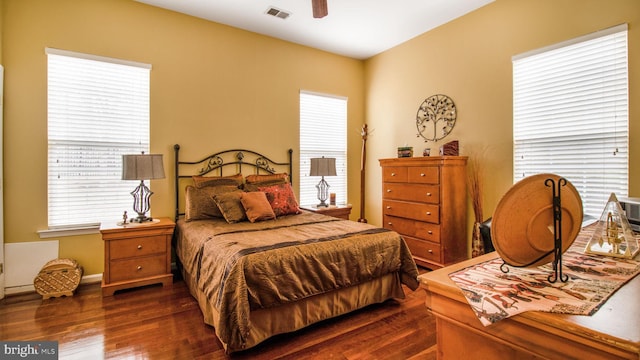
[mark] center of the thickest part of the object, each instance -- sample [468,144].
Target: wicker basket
[58,277]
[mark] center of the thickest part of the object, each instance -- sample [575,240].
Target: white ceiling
[353,28]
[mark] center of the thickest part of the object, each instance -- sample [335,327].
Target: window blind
[323,132]
[570,106]
[98,110]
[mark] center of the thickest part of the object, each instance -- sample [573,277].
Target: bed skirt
[289,317]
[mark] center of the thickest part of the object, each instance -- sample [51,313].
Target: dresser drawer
[416,211]
[136,268]
[394,174]
[412,192]
[423,249]
[423,174]
[417,229]
[141,246]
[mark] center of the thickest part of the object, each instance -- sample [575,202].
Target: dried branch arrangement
[474,184]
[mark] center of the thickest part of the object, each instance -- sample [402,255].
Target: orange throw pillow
[256,206]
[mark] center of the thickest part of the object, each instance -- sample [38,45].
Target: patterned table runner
[494,295]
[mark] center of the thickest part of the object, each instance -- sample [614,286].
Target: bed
[259,268]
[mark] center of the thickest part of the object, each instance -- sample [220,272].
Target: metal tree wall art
[436,117]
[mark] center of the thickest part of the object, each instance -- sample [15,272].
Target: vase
[477,246]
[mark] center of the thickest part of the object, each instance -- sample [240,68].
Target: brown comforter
[246,266]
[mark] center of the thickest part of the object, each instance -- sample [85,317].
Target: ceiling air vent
[277,13]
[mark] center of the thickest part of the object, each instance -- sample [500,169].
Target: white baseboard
[19,290]
[91,279]
[14,290]
[87,279]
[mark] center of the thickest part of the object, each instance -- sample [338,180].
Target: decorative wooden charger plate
[522,225]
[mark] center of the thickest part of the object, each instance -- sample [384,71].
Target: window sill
[69,231]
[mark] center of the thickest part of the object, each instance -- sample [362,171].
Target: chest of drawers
[137,255]
[425,200]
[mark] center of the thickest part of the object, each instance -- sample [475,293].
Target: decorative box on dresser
[425,200]
[136,255]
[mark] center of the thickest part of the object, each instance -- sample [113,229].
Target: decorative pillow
[256,206]
[230,206]
[282,199]
[204,181]
[268,179]
[252,187]
[199,203]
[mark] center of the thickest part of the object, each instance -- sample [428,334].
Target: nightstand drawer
[138,267]
[423,249]
[126,248]
[417,229]
[423,174]
[416,211]
[412,192]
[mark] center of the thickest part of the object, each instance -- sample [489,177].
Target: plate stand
[557,234]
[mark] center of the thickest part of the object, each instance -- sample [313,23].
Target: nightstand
[136,255]
[337,211]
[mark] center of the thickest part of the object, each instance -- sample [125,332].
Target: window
[570,104]
[98,110]
[323,132]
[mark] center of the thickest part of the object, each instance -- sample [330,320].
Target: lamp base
[323,193]
[141,195]
[141,219]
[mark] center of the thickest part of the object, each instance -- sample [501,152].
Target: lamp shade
[142,167]
[323,167]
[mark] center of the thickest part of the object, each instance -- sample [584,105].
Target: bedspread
[246,266]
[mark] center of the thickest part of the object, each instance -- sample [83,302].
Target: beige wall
[469,59]
[1,27]
[212,87]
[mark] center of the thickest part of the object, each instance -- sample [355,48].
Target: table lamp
[142,167]
[323,167]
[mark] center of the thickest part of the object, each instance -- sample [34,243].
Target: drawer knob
[430,232]
[393,174]
[428,212]
[430,251]
[388,206]
[139,267]
[428,194]
[139,247]
[388,190]
[389,223]
[422,174]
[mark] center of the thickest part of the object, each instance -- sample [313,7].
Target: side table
[136,255]
[337,211]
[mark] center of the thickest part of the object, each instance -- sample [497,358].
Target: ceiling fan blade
[320,9]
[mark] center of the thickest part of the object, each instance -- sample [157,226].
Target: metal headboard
[232,161]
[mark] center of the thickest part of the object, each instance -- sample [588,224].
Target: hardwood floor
[165,323]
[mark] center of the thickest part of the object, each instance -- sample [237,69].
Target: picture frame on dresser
[425,200]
